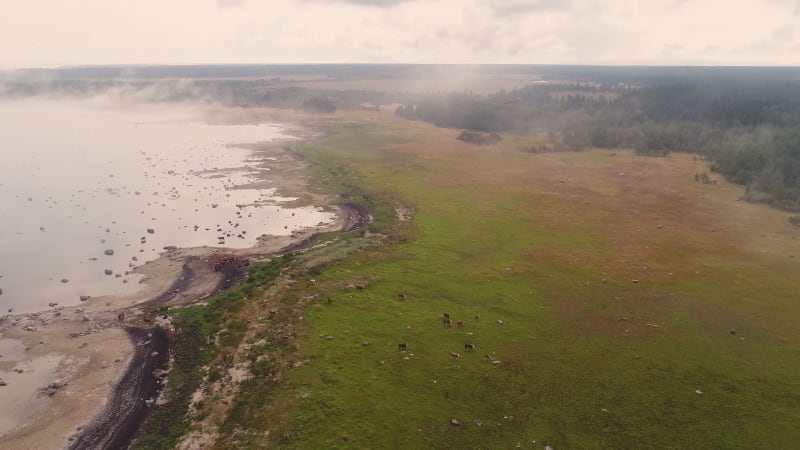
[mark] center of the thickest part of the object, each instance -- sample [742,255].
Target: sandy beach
[61,366]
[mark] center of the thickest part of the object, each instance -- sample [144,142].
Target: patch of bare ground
[403,213]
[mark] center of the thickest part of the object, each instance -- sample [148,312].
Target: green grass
[495,235]
[195,348]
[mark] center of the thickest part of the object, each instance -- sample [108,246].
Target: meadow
[612,301]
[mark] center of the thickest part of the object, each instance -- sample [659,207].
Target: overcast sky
[713,32]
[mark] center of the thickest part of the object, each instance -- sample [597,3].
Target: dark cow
[121,317]
[446,321]
[469,346]
[445,315]
[402,346]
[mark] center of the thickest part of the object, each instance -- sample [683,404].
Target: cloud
[230,3]
[784,34]
[519,7]
[375,3]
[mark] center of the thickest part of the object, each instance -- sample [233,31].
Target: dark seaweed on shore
[127,408]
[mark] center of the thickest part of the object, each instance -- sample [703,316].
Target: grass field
[537,254]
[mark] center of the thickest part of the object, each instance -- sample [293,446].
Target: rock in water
[1,292]
[109,252]
[109,271]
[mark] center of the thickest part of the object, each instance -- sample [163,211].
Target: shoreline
[95,395]
[139,380]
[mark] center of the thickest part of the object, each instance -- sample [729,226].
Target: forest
[748,128]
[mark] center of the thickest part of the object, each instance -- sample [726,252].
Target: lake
[89,190]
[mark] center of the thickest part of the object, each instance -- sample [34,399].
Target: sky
[47,33]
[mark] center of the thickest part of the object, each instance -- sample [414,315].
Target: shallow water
[79,179]
[25,398]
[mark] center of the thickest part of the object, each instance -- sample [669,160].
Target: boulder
[109,271]
[109,252]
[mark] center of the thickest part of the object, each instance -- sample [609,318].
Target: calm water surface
[78,180]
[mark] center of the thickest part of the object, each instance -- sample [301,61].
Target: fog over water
[78,179]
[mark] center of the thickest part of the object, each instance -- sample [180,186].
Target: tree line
[748,128]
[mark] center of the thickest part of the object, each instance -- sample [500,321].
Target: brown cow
[446,321]
[454,355]
[460,323]
[445,315]
[121,317]
[402,346]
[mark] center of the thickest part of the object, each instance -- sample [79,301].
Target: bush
[479,138]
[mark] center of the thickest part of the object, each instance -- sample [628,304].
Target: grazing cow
[402,346]
[477,317]
[489,357]
[460,323]
[454,355]
[401,296]
[121,317]
[469,346]
[445,315]
[446,321]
